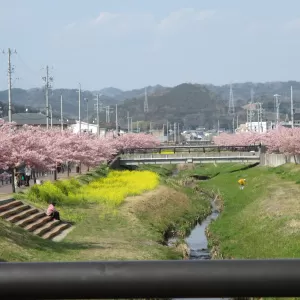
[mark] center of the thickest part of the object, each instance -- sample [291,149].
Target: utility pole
[61,113]
[218,127]
[168,132]
[231,108]
[131,124]
[292,108]
[258,114]
[175,133]
[107,114]
[128,122]
[9,73]
[250,114]
[150,129]
[146,108]
[117,124]
[87,114]
[51,115]
[48,79]
[233,125]
[277,104]
[9,85]
[261,116]
[98,121]
[79,107]
[250,111]
[137,126]
[237,121]
[47,96]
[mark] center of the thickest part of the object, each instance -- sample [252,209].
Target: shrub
[45,193]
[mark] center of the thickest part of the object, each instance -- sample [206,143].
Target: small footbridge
[189,154]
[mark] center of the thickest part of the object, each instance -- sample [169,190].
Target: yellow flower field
[114,188]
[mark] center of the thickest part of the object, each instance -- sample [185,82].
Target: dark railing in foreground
[150,279]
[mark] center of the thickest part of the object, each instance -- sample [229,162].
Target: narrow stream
[197,241]
[198,244]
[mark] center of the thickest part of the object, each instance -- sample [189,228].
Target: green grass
[133,230]
[261,221]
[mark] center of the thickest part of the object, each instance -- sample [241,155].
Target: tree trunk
[34,176]
[55,172]
[68,166]
[13,180]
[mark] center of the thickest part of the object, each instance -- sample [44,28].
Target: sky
[130,44]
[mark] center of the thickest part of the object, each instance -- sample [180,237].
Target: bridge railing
[150,279]
[189,149]
[189,154]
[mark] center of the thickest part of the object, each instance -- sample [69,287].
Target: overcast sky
[133,43]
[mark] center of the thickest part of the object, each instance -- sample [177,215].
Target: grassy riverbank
[116,219]
[261,221]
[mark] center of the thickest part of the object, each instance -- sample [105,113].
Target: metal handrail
[150,279]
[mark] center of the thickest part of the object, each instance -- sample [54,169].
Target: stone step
[47,227]
[14,210]
[39,223]
[22,215]
[56,231]
[10,205]
[30,219]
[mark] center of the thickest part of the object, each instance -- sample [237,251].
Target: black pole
[150,279]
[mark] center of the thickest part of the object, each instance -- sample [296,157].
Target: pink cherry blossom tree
[43,148]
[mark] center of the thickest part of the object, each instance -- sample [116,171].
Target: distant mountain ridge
[121,95]
[191,105]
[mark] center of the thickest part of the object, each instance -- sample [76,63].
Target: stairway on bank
[31,219]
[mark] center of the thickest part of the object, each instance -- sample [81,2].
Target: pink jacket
[50,209]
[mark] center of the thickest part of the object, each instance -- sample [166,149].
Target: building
[254,126]
[92,128]
[35,119]
[159,134]
[85,127]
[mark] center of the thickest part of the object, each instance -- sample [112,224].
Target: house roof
[31,119]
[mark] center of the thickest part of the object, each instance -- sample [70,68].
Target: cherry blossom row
[279,140]
[44,148]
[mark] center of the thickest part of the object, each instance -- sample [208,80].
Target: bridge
[189,154]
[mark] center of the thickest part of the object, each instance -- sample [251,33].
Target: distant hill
[15,109]
[191,105]
[136,93]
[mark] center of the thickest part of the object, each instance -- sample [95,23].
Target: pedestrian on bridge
[242,183]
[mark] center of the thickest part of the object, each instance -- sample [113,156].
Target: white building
[85,127]
[91,128]
[253,126]
[257,126]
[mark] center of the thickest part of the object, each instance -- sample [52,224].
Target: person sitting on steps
[52,212]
